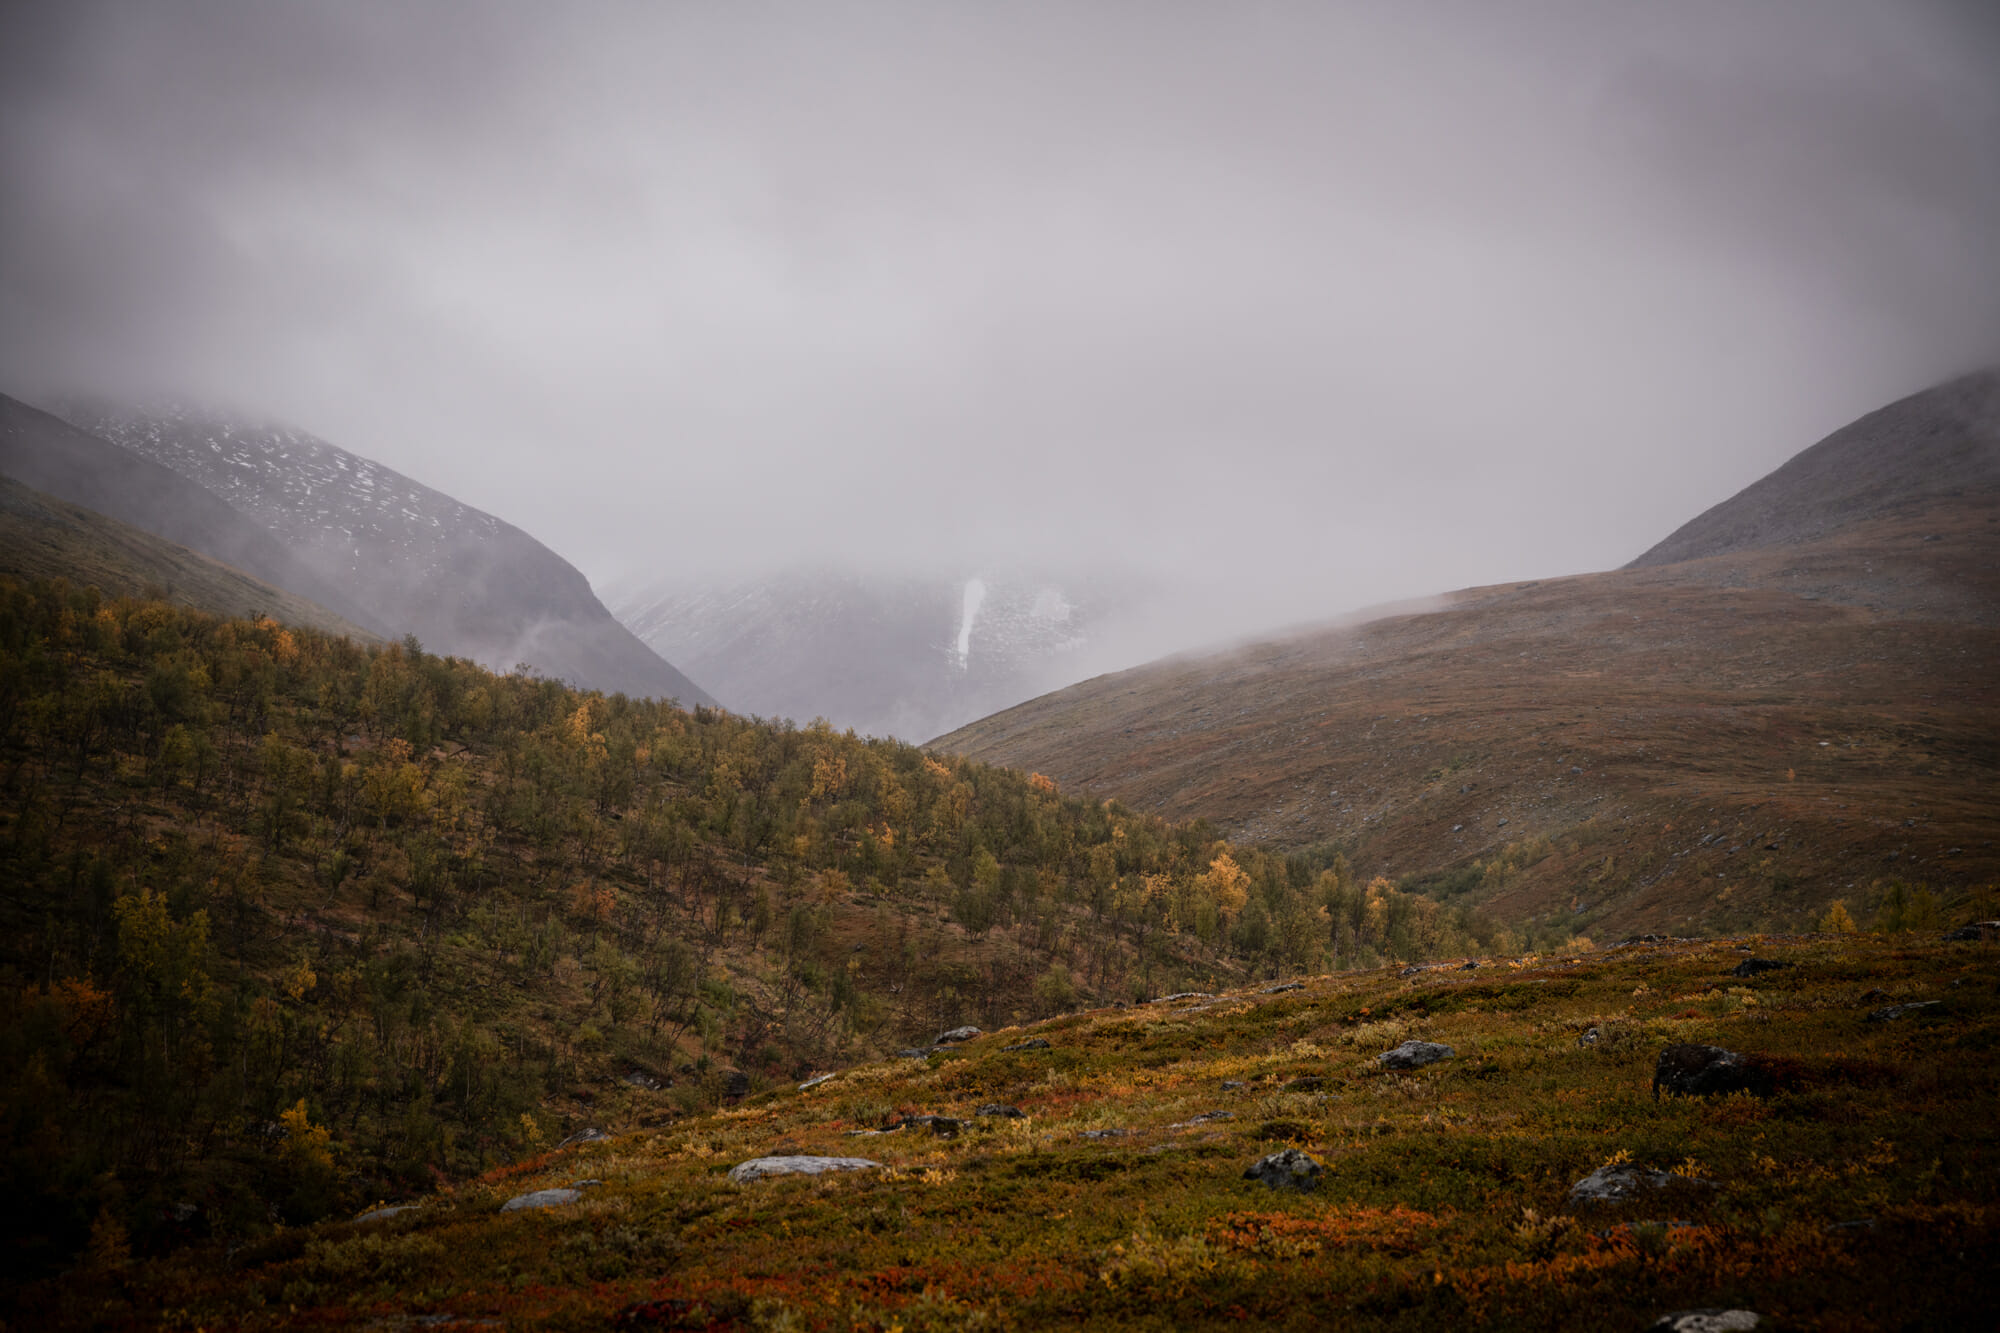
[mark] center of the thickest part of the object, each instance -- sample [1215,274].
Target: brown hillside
[43,537]
[1707,744]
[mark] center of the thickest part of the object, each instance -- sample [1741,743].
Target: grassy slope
[1720,744]
[44,537]
[1443,1204]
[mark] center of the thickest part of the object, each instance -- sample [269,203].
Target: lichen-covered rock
[1895,1011]
[1628,1180]
[384,1214]
[759,1168]
[1415,1054]
[1288,1168]
[1699,1071]
[1001,1110]
[1706,1321]
[581,1137]
[1031,1044]
[1282,987]
[554,1198]
[966,1033]
[815,1081]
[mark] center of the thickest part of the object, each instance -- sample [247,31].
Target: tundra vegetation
[1857,1187]
[295,927]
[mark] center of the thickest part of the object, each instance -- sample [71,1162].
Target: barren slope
[42,537]
[1710,743]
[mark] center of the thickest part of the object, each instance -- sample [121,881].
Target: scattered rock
[1467,967]
[1102,1134]
[1750,967]
[966,1033]
[735,1085]
[1282,987]
[1184,995]
[1706,1321]
[1412,970]
[758,1168]
[1288,1168]
[941,1125]
[393,1210]
[871,1133]
[1699,1071]
[1415,1054]
[541,1199]
[1876,994]
[582,1136]
[1978,930]
[1305,1083]
[1589,1038]
[815,1081]
[643,1081]
[1854,1224]
[915,1053]
[1031,1044]
[1233,1085]
[1890,1013]
[1202,1119]
[1001,1110]
[1627,1180]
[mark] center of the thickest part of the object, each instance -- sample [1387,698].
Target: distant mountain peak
[1933,444]
[421,562]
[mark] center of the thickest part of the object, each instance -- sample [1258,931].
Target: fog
[1291,307]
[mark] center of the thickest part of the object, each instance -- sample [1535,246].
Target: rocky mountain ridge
[415,559]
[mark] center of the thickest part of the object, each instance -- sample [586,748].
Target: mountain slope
[42,537]
[904,657]
[50,455]
[1928,447]
[1710,743]
[419,562]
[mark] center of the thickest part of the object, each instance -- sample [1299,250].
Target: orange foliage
[1291,1235]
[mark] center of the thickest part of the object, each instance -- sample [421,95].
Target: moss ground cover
[1862,1192]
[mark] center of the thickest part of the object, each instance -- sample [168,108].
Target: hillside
[256,871]
[41,537]
[1708,745]
[907,657]
[1906,458]
[1091,1171]
[52,456]
[417,561]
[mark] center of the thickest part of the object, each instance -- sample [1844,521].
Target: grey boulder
[758,1168]
[1699,1071]
[1625,1181]
[1415,1055]
[1706,1321]
[541,1199]
[1895,1011]
[966,1033]
[1287,1168]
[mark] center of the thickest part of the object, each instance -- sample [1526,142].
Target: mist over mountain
[42,537]
[53,456]
[416,560]
[888,656]
[1802,706]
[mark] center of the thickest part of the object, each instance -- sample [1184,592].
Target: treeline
[293,923]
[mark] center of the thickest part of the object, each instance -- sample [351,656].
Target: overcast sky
[1316,305]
